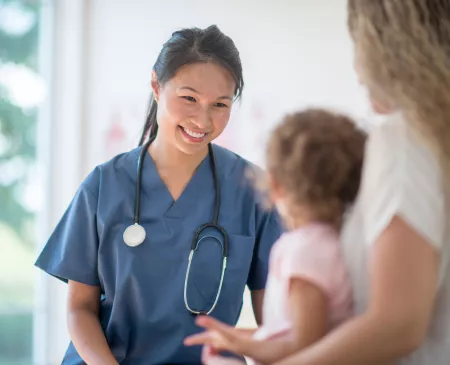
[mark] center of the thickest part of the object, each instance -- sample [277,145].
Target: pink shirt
[312,253]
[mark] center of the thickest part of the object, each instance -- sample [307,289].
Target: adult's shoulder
[402,176]
[389,129]
[231,164]
[394,144]
[120,166]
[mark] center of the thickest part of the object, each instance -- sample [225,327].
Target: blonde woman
[397,237]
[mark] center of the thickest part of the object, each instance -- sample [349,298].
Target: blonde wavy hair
[403,49]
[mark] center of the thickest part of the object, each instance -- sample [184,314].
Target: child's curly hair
[316,157]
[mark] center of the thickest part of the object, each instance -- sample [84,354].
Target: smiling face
[194,106]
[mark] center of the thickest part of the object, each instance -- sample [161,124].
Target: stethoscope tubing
[196,239]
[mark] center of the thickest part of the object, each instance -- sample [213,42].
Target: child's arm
[308,312]
[249,332]
[220,336]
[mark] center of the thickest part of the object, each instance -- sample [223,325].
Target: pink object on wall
[116,136]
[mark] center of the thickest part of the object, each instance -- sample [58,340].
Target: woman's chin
[191,149]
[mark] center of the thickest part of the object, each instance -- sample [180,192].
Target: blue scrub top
[142,306]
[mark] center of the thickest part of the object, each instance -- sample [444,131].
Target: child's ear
[276,192]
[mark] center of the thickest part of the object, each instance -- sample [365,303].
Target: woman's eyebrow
[195,91]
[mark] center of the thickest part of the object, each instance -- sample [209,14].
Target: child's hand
[219,360]
[207,353]
[219,336]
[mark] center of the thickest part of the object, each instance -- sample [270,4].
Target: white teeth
[194,134]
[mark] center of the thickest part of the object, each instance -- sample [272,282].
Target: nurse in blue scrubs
[129,301]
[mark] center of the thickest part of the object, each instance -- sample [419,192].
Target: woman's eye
[221,105]
[189,98]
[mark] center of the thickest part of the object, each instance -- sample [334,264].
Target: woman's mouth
[191,135]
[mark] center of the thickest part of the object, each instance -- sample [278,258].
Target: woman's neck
[168,157]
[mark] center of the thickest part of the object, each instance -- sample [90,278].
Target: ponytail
[150,122]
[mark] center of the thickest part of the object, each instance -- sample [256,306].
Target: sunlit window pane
[21,92]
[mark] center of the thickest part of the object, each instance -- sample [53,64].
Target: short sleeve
[269,229]
[72,250]
[316,260]
[402,177]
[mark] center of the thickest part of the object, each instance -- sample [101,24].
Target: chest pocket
[205,272]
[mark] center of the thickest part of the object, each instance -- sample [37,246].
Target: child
[314,168]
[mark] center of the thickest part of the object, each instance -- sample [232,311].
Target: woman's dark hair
[188,46]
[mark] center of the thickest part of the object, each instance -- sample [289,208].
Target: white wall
[295,53]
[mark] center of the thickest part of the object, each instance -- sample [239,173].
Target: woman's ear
[155,86]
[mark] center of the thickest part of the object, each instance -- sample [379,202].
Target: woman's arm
[84,326]
[257,304]
[403,281]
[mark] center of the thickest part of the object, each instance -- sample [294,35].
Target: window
[22,91]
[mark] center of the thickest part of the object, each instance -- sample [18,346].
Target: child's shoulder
[311,253]
[307,240]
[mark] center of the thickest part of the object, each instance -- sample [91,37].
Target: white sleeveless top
[401,177]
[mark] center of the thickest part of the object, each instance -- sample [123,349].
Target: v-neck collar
[154,188]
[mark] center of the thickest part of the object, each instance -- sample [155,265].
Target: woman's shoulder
[120,166]
[394,146]
[387,129]
[233,165]
[243,178]
[395,132]
[401,176]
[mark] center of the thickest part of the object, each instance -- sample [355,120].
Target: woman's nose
[202,120]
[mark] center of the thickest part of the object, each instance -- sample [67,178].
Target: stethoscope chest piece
[134,235]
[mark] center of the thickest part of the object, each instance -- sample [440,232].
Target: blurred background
[74,84]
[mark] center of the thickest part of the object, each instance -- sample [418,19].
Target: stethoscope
[135,234]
